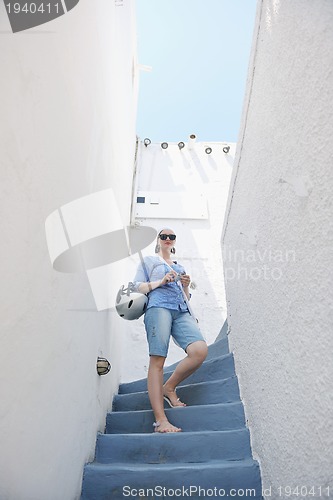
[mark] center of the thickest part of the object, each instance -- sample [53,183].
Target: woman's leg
[155,391]
[196,355]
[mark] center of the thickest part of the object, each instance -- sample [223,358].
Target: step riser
[215,350]
[222,391]
[213,370]
[104,483]
[173,448]
[218,349]
[217,417]
[220,368]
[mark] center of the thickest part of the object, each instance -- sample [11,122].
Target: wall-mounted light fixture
[208,151]
[164,145]
[103,366]
[147,141]
[181,145]
[226,149]
[191,140]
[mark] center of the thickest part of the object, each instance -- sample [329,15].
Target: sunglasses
[170,236]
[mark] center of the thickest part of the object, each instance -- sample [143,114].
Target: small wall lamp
[147,141]
[208,150]
[164,145]
[191,141]
[103,366]
[181,145]
[226,149]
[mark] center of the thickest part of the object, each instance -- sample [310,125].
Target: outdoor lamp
[181,145]
[164,145]
[103,366]
[226,149]
[208,150]
[147,141]
[191,140]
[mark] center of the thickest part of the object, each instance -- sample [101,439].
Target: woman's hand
[185,280]
[168,278]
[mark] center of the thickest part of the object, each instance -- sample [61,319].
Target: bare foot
[165,426]
[171,397]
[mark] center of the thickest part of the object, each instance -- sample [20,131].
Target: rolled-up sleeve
[139,278]
[143,273]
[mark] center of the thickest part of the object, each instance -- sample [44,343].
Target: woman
[167,314]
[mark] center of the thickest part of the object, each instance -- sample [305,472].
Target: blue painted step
[215,417]
[107,481]
[217,368]
[175,447]
[223,332]
[215,350]
[218,391]
[218,348]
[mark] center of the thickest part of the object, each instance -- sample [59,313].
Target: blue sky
[199,51]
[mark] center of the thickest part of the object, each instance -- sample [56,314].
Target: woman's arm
[146,287]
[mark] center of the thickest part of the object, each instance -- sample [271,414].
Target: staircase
[210,457]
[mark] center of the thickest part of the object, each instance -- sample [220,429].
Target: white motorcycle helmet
[129,304]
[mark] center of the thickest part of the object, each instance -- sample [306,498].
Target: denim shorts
[160,323]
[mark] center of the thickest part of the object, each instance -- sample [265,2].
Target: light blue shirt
[169,296]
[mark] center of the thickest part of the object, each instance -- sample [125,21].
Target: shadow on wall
[88,233]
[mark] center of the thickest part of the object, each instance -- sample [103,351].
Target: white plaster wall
[185,174]
[67,129]
[280,307]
